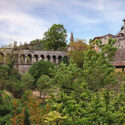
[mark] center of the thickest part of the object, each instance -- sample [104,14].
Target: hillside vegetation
[84,92]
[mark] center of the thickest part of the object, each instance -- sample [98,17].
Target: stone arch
[54,59]
[16,58]
[8,57]
[42,57]
[22,58]
[121,34]
[66,59]
[36,58]
[48,57]
[29,58]
[1,57]
[60,58]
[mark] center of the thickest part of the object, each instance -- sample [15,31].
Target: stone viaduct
[25,58]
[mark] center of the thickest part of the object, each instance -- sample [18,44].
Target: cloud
[106,10]
[84,19]
[20,25]
[25,20]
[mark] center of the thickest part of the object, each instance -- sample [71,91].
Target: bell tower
[124,26]
[71,37]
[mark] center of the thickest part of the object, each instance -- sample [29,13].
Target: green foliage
[55,38]
[91,108]
[14,74]
[97,69]
[40,68]
[37,114]
[27,79]
[16,87]
[43,83]
[77,50]
[1,58]
[108,50]
[8,75]
[65,60]
[12,80]
[84,108]
[37,44]
[78,57]
[3,76]
[55,118]
[67,77]
[5,108]
[120,76]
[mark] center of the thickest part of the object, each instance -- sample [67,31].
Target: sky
[26,20]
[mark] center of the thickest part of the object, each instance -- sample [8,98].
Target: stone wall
[22,68]
[25,58]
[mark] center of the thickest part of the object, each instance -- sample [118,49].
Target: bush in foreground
[40,68]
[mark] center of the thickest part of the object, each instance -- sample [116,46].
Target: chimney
[124,26]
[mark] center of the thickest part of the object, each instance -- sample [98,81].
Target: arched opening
[29,58]
[48,57]
[54,59]
[65,59]
[8,57]
[120,34]
[15,58]
[60,59]
[1,58]
[42,57]
[36,58]
[22,58]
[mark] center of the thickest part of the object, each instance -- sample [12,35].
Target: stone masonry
[25,58]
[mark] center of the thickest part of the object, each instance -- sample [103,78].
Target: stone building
[119,59]
[71,40]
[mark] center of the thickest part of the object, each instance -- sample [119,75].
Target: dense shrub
[97,68]
[5,108]
[120,76]
[97,71]
[17,88]
[77,51]
[3,76]
[91,108]
[28,80]
[37,114]
[40,68]
[67,77]
[43,83]
[10,80]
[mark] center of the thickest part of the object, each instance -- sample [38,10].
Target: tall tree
[97,68]
[76,51]
[55,38]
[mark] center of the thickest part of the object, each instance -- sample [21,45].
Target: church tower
[71,37]
[124,27]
